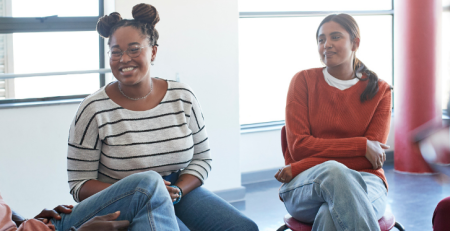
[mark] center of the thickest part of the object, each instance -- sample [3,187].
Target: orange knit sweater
[324,123]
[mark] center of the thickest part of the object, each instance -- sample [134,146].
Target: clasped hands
[374,153]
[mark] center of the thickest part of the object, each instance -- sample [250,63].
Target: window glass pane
[445,58]
[62,8]
[446,3]
[318,5]
[272,50]
[55,52]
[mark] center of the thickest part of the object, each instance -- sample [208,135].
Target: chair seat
[295,225]
[387,222]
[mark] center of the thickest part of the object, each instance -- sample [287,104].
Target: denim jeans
[201,209]
[334,197]
[141,198]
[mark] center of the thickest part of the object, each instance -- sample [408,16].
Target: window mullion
[46,24]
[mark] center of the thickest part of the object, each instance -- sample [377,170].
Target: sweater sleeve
[200,166]
[301,143]
[380,124]
[83,154]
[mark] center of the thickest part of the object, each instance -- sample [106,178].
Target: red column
[415,43]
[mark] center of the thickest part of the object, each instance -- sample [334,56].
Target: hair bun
[146,13]
[106,22]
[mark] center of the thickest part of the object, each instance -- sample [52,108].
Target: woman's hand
[173,192]
[47,214]
[284,174]
[105,223]
[375,153]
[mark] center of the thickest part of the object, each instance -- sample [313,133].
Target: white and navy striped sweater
[108,142]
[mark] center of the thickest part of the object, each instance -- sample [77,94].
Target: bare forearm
[92,187]
[188,183]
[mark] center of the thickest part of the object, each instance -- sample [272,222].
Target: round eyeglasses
[133,51]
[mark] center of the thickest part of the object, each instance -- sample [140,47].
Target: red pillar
[415,43]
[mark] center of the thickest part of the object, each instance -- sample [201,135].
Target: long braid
[372,87]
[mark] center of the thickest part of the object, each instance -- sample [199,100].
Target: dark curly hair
[145,18]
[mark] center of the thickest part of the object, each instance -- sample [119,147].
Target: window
[6,86]
[48,40]
[277,40]
[320,5]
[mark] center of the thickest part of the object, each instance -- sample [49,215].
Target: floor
[412,199]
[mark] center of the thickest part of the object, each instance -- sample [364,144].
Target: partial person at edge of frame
[433,140]
[144,124]
[337,124]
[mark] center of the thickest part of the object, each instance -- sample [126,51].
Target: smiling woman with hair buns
[142,125]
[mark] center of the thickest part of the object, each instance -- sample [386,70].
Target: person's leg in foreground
[141,198]
[204,210]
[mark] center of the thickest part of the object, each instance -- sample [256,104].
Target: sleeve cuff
[194,173]
[296,168]
[361,146]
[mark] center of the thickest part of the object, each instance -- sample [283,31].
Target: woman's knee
[246,224]
[334,172]
[144,179]
[334,169]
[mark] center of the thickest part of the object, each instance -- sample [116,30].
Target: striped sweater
[108,142]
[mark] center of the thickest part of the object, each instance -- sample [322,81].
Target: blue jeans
[334,197]
[201,209]
[141,198]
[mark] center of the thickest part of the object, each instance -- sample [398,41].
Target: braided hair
[145,18]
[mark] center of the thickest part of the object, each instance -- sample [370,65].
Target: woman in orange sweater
[337,124]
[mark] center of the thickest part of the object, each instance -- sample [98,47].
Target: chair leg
[282,228]
[399,226]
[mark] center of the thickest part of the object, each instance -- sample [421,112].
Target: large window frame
[9,25]
[275,125]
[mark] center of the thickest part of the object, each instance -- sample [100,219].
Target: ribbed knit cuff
[296,168]
[361,146]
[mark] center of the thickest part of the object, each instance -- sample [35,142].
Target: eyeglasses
[133,51]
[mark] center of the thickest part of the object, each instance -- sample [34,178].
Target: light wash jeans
[201,209]
[141,198]
[334,197]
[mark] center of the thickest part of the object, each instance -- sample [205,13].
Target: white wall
[198,40]
[261,150]
[33,150]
